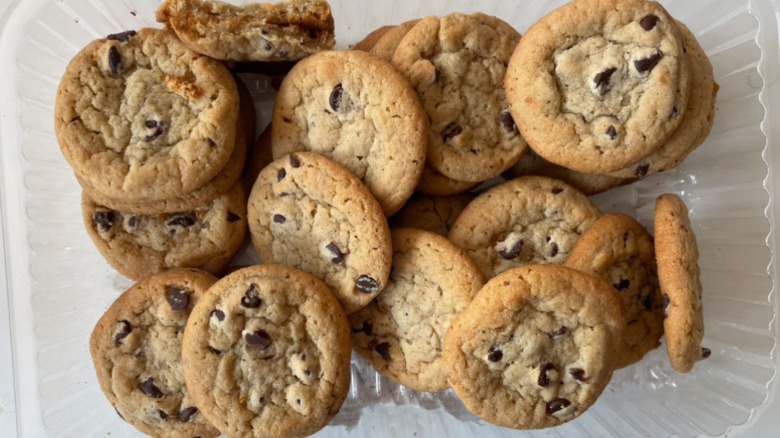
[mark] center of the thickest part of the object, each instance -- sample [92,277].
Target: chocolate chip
[335,97]
[182,220]
[705,352]
[611,132]
[495,355]
[544,379]
[121,37]
[647,64]
[578,374]
[508,122]
[186,415]
[250,300]
[267,45]
[512,252]
[114,60]
[675,113]
[123,329]
[279,219]
[211,142]
[281,174]
[553,249]
[451,131]
[367,328]
[649,22]
[384,350]
[220,315]
[150,124]
[177,298]
[602,78]
[259,340]
[622,284]
[103,221]
[162,414]
[556,405]
[641,170]
[558,333]
[338,256]
[295,161]
[232,217]
[132,221]
[366,284]
[160,128]
[149,388]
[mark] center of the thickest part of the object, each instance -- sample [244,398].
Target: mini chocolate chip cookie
[284,31]
[266,353]
[136,348]
[431,213]
[457,65]
[535,347]
[139,116]
[618,249]
[528,220]
[400,332]
[597,85]
[311,213]
[139,245]
[359,111]
[677,257]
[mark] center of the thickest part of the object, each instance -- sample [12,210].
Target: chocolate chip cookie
[431,213]
[527,220]
[401,331]
[140,116]
[433,183]
[457,65]
[386,45]
[359,111]
[370,40]
[597,85]
[136,348]
[283,31]
[677,256]
[311,213]
[534,349]
[266,353]
[139,245]
[618,249]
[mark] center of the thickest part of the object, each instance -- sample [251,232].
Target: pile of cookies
[522,297]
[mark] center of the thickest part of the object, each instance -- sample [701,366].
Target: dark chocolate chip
[259,340]
[512,252]
[553,249]
[177,298]
[366,284]
[367,328]
[557,404]
[647,64]
[103,221]
[335,97]
[160,128]
[232,217]
[279,219]
[451,131]
[558,333]
[494,354]
[186,414]
[508,122]
[641,170]
[602,78]
[182,220]
[220,315]
[211,142]
[611,132]
[338,256]
[162,414]
[114,60]
[705,352]
[544,379]
[267,45]
[383,349]
[150,124]
[122,37]
[149,388]
[281,174]
[622,284]
[132,221]
[295,161]
[124,329]
[250,300]
[649,22]
[578,374]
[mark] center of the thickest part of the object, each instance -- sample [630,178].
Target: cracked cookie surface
[401,331]
[618,249]
[597,85]
[140,116]
[136,348]
[266,353]
[534,348]
[311,213]
[527,220]
[359,111]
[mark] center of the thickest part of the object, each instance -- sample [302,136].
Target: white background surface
[766,423]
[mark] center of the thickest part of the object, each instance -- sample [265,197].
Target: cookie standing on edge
[136,348]
[535,347]
[400,332]
[311,213]
[677,257]
[266,353]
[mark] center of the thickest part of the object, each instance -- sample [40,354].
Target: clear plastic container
[57,285]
